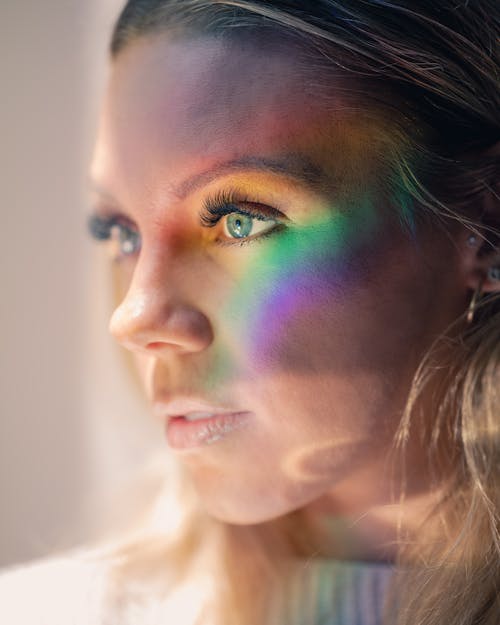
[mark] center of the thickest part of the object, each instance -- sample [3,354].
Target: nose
[154,316]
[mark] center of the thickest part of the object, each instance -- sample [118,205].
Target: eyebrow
[295,166]
[292,165]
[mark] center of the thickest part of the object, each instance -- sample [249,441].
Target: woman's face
[269,291]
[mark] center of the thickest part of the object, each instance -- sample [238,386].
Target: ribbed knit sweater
[72,591]
[330,592]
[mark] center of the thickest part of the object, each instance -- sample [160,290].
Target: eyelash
[101,229]
[228,202]
[215,208]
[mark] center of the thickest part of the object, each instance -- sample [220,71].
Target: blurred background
[73,430]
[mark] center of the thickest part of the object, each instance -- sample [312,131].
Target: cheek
[292,309]
[353,295]
[297,294]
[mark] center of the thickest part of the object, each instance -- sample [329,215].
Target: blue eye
[242,220]
[238,225]
[129,240]
[124,236]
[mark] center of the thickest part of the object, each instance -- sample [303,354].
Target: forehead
[177,105]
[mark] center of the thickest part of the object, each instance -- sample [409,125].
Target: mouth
[191,424]
[198,416]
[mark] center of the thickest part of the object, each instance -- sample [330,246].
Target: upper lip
[184,406]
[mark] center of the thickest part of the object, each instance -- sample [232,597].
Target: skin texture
[315,330]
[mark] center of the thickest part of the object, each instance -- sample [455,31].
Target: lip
[193,423]
[184,406]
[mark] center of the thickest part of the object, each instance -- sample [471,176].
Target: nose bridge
[156,312]
[141,303]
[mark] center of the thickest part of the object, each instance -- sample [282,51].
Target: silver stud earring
[472,240]
[494,273]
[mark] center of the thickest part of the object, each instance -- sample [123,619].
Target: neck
[374,528]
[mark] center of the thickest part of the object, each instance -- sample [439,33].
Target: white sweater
[72,591]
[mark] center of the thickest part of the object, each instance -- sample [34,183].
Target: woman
[301,202]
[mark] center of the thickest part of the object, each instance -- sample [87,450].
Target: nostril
[159,326]
[178,346]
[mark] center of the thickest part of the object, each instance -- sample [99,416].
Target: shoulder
[66,590]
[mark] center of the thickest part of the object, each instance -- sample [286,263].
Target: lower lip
[184,434]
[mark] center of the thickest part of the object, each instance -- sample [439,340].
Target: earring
[494,273]
[472,240]
[473,302]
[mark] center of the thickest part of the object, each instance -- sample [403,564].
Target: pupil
[239,226]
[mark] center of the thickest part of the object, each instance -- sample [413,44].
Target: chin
[241,500]
[239,513]
[247,508]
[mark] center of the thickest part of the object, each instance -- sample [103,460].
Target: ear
[481,256]
[481,246]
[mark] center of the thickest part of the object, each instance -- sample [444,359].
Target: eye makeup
[240,216]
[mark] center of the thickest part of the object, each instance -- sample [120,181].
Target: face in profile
[276,300]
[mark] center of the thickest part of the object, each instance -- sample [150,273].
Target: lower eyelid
[230,242]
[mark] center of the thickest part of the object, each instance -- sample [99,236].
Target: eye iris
[239,225]
[129,240]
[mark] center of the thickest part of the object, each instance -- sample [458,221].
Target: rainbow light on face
[299,271]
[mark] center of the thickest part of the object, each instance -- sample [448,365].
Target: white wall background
[70,431]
